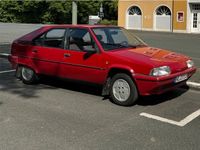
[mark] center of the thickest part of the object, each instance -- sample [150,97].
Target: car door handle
[67,55]
[34,50]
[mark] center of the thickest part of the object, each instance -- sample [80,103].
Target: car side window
[80,40]
[53,38]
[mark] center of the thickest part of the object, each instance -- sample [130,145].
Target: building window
[163,10]
[195,20]
[196,6]
[134,11]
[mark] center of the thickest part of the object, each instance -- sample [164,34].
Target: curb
[4,43]
[4,55]
[193,85]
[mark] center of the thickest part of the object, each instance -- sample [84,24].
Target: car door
[82,59]
[48,51]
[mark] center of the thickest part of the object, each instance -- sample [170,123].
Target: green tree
[86,8]
[110,9]
[9,10]
[32,11]
[22,11]
[59,12]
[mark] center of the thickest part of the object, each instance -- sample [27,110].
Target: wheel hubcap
[27,74]
[121,90]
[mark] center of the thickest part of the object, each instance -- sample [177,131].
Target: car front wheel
[123,90]
[28,75]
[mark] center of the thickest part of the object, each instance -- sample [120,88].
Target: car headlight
[190,63]
[160,71]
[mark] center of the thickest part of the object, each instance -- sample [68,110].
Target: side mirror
[89,49]
[89,52]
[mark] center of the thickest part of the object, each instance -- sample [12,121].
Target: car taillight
[13,48]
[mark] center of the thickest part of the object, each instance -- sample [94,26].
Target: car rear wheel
[28,75]
[123,90]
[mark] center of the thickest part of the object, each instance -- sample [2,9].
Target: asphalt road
[59,115]
[11,31]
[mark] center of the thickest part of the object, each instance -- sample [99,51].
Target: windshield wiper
[132,46]
[117,45]
[135,46]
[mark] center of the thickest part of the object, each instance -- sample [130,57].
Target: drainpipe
[173,15]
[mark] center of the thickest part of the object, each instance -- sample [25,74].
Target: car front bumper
[148,85]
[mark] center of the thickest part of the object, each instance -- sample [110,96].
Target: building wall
[180,6]
[148,8]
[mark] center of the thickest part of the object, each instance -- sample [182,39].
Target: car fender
[123,68]
[25,61]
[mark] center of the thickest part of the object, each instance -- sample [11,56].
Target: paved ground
[11,31]
[57,115]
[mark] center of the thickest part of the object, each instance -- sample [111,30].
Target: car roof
[77,26]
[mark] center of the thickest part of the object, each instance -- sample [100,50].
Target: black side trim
[76,65]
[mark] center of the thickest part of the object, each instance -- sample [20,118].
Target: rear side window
[55,34]
[53,38]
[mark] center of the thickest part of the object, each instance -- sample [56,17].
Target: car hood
[155,57]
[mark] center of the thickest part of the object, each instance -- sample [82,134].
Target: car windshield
[115,38]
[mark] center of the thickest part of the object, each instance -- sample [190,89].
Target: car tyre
[123,90]
[28,75]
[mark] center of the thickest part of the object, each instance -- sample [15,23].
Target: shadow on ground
[12,85]
[9,84]
[97,89]
[77,86]
[157,99]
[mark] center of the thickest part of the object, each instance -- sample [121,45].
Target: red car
[106,55]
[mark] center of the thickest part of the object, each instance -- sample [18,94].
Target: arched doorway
[134,18]
[162,19]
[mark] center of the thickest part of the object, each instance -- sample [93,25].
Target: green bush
[57,11]
[107,22]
